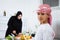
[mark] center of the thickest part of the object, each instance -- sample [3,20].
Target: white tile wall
[3,25]
[3,22]
[2,33]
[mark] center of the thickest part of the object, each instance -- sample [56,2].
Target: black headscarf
[18,13]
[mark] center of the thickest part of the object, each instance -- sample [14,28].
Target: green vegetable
[9,37]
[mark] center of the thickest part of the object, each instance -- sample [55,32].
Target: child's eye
[38,13]
[42,13]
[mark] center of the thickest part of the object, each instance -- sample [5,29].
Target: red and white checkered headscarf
[45,8]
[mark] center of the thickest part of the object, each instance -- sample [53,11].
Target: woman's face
[42,17]
[19,17]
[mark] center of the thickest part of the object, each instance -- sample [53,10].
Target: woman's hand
[14,31]
[20,34]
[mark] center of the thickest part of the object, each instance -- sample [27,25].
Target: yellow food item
[24,37]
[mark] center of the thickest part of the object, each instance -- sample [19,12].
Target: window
[52,3]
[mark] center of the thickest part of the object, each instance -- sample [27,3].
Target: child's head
[44,13]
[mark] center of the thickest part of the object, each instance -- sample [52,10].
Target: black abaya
[14,24]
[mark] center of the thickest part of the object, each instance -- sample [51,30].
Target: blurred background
[9,8]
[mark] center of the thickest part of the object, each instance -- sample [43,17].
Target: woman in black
[15,24]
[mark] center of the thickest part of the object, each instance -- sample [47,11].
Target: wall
[56,21]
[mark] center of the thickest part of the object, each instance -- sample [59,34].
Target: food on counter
[23,37]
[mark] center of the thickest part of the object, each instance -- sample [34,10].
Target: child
[45,31]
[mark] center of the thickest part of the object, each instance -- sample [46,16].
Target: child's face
[43,17]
